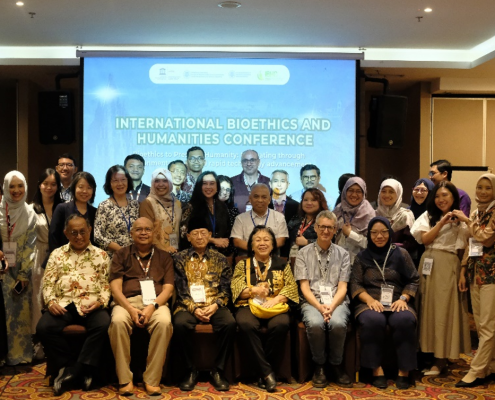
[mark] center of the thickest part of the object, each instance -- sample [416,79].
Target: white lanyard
[382,270]
[138,192]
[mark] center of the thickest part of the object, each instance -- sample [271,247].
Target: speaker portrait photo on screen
[310,178]
[134,164]
[195,163]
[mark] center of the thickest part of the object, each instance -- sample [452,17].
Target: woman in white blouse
[444,329]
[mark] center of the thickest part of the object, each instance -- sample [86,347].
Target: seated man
[259,215]
[75,291]
[323,270]
[202,278]
[142,281]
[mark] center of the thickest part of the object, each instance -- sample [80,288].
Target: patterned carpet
[24,382]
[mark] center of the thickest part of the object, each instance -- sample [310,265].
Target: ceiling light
[19,3]
[428,9]
[229,4]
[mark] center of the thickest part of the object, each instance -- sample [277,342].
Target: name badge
[475,248]
[198,293]
[293,251]
[326,295]
[10,252]
[174,240]
[387,295]
[148,291]
[427,266]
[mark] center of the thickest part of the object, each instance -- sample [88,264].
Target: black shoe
[189,382]
[476,382]
[319,379]
[87,382]
[340,376]
[270,383]
[219,382]
[402,382]
[261,383]
[380,382]
[65,381]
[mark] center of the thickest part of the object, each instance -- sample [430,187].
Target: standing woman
[444,329]
[481,279]
[302,226]
[400,218]
[353,215]
[163,210]
[204,204]
[82,189]
[115,215]
[226,194]
[18,229]
[46,198]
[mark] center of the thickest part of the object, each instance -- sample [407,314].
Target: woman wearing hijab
[444,329]
[479,261]
[18,229]
[383,280]
[353,215]
[400,218]
[163,210]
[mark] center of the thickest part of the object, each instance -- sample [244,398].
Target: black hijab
[416,208]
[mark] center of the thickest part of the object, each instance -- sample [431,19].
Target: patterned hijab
[482,206]
[398,216]
[358,216]
[21,215]
[161,173]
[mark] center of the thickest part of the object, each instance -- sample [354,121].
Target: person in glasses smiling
[195,163]
[244,182]
[310,178]
[66,168]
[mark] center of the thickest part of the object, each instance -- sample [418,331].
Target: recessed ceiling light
[19,3]
[428,9]
[229,4]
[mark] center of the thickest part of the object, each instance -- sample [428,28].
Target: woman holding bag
[263,284]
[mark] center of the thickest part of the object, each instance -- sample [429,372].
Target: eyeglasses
[62,165]
[357,191]
[75,234]
[249,160]
[198,233]
[143,230]
[324,228]
[384,233]
[223,190]
[420,191]
[115,181]
[196,159]
[309,177]
[433,173]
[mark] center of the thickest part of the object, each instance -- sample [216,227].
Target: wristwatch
[156,305]
[403,298]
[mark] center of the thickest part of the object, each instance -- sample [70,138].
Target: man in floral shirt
[75,291]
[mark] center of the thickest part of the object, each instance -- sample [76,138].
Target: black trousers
[223,325]
[277,328]
[57,349]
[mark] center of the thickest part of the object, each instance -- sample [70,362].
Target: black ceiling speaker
[388,115]
[56,117]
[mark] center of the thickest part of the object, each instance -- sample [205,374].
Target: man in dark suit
[279,184]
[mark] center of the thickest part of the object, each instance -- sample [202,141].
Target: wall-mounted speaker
[56,117]
[388,115]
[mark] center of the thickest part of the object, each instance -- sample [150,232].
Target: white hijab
[21,215]
[398,216]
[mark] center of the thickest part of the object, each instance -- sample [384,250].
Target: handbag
[258,310]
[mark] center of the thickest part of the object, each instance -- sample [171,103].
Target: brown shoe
[152,390]
[127,390]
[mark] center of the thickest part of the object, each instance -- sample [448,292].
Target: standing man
[75,291]
[259,215]
[202,278]
[441,170]
[310,178]
[178,170]
[279,184]
[195,163]
[66,168]
[244,182]
[323,270]
[134,164]
[142,282]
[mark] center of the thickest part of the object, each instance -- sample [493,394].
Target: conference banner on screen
[293,112]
